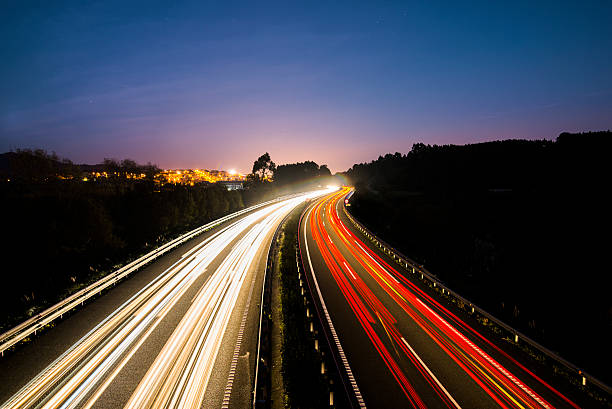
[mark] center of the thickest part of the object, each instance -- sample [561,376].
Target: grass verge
[305,386]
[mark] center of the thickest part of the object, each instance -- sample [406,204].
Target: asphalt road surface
[181,333]
[397,346]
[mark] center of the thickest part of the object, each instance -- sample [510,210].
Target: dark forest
[82,230]
[516,226]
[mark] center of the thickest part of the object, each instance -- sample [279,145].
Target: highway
[395,344]
[185,338]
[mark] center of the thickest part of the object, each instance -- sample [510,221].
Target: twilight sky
[215,84]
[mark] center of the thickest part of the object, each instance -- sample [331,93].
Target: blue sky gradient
[215,84]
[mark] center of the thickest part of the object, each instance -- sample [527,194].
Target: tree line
[289,178]
[29,165]
[60,235]
[62,232]
[516,226]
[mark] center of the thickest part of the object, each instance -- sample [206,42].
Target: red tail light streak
[455,338]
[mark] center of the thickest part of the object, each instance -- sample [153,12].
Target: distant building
[232,184]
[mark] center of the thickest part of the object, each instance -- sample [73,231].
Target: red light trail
[445,329]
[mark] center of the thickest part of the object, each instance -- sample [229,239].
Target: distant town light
[232,172]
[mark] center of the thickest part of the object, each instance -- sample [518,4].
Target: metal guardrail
[262,383]
[340,376]
[416,268]
[34,324]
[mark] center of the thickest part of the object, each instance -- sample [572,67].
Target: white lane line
[347,367]
[195,343]
[349,270]
[480,352]
[448,395]
[230,378]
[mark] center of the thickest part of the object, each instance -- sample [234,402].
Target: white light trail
[180,373]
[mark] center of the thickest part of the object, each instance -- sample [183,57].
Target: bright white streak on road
[33,391]
[89,361]
[179,376]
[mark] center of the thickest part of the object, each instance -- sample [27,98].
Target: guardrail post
[462,303]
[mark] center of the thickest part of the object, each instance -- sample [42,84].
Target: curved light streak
[444,328]
[80,375]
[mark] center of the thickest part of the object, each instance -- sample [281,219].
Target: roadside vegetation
[63,230]
[513,225]
[304,385]
[61,235]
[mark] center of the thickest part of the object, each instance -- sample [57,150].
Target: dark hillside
[517,226]
[63,230]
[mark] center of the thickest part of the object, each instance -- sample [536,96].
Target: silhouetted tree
[264,168]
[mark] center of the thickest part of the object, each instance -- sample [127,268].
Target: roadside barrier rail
[416,268]
[39,321]
[340,371]
[262,387]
